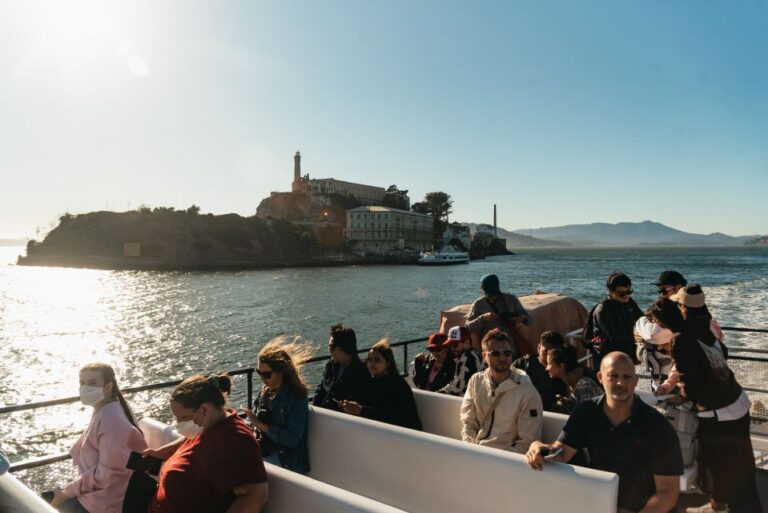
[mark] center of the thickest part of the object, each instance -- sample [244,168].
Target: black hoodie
[701,360]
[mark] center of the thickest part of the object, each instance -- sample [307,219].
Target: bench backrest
[17,498]
[440,415]
[288,491]
[418,472]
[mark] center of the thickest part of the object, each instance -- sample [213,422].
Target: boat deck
[694,499]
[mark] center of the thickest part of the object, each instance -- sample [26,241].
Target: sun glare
[81,35]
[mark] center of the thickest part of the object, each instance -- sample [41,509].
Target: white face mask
[90,395]
[188,429]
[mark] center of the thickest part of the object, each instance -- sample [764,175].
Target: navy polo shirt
[642,446]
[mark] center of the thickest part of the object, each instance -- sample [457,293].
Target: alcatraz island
[320,222]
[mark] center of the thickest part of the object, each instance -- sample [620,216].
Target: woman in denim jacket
[282,409]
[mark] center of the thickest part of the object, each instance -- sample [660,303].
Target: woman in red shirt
[217,466]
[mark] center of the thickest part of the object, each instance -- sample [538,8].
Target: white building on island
[376,230]
[318,187]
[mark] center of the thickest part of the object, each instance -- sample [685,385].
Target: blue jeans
[72,506]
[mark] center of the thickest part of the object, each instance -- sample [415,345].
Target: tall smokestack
[495,230]
[296,167]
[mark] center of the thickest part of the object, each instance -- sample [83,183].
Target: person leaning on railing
[217,466]
[282,409]
[103,449]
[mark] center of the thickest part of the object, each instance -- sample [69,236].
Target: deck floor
[691,499]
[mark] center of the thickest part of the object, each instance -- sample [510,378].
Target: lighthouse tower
[296,171]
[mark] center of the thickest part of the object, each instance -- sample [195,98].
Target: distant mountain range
[646,233]
[516,240]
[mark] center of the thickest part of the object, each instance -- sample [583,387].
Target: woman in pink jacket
[101,452]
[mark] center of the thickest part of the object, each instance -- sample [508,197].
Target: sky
[558,112]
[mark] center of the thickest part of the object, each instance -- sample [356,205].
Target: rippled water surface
[154,326]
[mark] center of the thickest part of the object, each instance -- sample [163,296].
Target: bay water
[157,326]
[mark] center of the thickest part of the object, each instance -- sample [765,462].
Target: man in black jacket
[435,371]
[345,377]
[614,319]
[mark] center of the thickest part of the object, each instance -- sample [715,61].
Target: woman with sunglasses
[613,320]
[389,397]
[282,408]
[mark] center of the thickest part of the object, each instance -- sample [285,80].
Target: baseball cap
[691,296]
[490,285]
[671,278]
[437,340]
[458,334]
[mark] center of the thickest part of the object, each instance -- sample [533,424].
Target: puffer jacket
[517,419]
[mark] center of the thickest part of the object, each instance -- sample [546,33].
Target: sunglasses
[264,374]
[665,290]
[496,354]
[434,350]
[624,293]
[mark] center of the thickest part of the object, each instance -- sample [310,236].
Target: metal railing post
[250,388]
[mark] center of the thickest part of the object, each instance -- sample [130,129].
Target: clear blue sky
[559,112]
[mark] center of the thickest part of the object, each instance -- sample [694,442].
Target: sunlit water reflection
[158,326]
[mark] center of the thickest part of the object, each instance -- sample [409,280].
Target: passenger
[497,309]
[390,398]
[655,353]
[563,365]
[216,466]
[501,408]
[623,435]
[345,377]
[535,367]
[726,460]
[101,452]
[282,408]
[468,361]
[434,371]
[669,282]
[613,320]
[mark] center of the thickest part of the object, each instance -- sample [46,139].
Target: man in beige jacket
[501,407]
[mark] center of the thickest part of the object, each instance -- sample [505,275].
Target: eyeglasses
[665,290]
[264,374]
[624,293]
[496,354]
[434,350]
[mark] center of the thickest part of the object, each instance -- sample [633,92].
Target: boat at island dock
[447,255]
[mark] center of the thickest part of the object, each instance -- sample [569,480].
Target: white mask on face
[188,429]
[90,395]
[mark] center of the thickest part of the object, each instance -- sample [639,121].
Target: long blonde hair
[288,357]
[108,376]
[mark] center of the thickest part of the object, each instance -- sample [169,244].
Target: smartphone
[549,454]
[47,496]
[141,463]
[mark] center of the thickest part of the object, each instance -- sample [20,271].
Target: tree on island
[395,198]
[439,205]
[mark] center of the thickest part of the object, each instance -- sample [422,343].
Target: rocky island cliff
[164,238]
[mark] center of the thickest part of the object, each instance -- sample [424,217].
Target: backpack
[589,338]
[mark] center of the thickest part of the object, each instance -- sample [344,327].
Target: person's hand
[638,338]
[59,497]
[152,453]
[490,317]
[351,407]
[249,414]
[534,457]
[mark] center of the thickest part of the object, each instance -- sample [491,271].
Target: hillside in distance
[646,233]
[517,240]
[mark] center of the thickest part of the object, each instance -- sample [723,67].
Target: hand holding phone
[141,463]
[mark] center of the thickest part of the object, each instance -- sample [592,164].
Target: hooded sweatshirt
[701,360]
